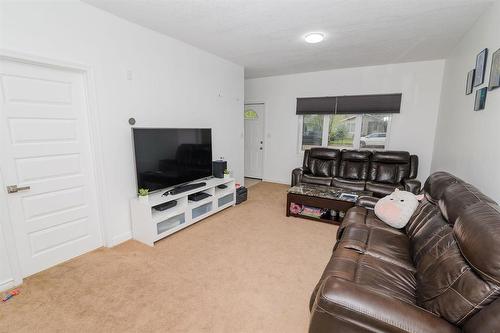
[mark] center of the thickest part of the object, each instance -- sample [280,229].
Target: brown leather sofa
[441,273]
[380,172]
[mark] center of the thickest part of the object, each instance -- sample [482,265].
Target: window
[341,130]
[312,130]
[345,131]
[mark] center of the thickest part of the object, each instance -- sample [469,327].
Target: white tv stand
[150,225]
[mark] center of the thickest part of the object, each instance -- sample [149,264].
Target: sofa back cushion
[323,162]
[354,164]
[436,183]
[424,212]
[389,167]
[457,267]
[477,232]
[457,197]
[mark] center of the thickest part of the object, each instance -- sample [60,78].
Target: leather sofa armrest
[343,306]
[413,166]
[412,185]
[297,174]
[367,202]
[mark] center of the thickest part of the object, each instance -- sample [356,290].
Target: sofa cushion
[389,167]
[422,241]
[353,170]
[447,283]
[457,197]
[324,153]
[362,216]
[425,211]
[390,246]
[310,179]
[347,307]
[354,164]
[477,232]
[380,189]
[349,184]
[322,162]
[435,185]
[320,168]
[373,273]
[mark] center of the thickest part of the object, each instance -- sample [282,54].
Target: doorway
[46,164]
[254,115]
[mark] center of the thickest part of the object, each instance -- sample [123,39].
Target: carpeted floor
[251,181]
[246,269]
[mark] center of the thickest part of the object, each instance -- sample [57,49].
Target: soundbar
[198,196]
[184,188]
[165,205]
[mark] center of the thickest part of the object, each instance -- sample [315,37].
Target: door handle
[260,148]
[15,189]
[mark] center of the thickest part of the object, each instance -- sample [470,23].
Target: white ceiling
[266,36]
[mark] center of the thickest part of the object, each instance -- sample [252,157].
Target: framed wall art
[470,82]
[480,67]
[480,100]
[495,71]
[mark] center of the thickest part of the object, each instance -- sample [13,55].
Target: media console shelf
[150,225]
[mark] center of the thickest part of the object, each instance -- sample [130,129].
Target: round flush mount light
[314,37]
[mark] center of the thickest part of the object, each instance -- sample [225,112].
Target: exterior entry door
[254,140]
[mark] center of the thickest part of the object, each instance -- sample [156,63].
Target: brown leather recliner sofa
[379,172]
[441,273]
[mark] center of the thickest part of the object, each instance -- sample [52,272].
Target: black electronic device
[241,194]
[166,157]
[198,196]
[165,205]
[184,188]
[222,186]
[218,168]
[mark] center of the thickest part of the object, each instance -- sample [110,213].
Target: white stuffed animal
[397,208]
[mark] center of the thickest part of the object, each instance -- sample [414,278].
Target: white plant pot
[226,175]
[144,198]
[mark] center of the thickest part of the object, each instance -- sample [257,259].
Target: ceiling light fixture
[314,37]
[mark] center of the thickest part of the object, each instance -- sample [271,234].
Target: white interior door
[44,140]
[254,140]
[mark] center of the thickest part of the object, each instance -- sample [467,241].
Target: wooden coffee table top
[325,192]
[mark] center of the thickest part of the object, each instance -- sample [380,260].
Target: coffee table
[321,196]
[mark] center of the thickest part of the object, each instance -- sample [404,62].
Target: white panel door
[254,140]
[44,140]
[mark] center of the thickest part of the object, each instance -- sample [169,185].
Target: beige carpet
[252,181]
[246,269]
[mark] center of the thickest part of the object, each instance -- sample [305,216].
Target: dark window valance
[316,105]
[390,103]
[387,103]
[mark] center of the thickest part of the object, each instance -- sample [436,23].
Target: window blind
[357,104]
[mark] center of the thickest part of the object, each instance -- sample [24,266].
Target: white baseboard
[8,284]
[118,239]
[276,181]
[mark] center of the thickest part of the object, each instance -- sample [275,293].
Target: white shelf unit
[150,225]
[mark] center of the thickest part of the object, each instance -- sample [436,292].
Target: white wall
[412,130]
[467,142]
[173,85]
[6,276]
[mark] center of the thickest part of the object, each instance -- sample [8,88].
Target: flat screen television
[166,157]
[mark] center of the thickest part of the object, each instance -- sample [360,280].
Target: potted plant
[226,173]
[143,194]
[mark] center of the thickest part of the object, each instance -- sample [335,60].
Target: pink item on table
[295,208]
[311,211]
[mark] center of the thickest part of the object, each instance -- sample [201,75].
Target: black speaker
[218,168]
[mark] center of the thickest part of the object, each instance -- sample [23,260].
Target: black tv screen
[166,157]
